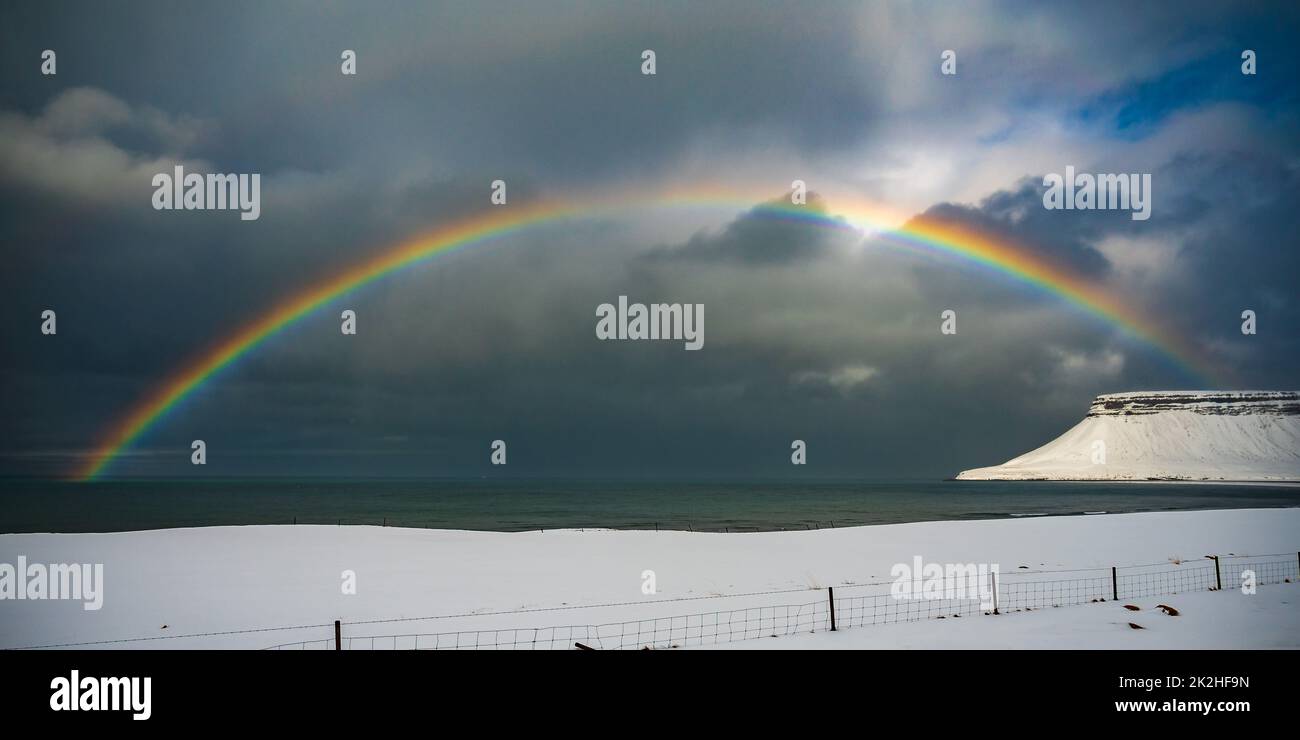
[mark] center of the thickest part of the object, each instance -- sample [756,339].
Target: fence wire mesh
[865,605]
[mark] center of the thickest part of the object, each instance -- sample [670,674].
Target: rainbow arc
[1002,256]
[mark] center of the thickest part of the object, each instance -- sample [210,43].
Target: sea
[508,505]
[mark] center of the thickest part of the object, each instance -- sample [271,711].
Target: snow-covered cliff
[1170,435]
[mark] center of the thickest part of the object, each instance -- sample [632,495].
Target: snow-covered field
[183,581]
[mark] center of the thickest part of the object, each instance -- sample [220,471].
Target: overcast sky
[829,336]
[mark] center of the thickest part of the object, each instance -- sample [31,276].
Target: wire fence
[969,592]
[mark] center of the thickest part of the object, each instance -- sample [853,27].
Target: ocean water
[28,505]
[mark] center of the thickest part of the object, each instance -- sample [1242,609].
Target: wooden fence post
[830,594]
[1114,585]
[993,578]
[1218,579]
[338,635]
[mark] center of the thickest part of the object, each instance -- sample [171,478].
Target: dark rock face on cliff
[1170,435]
[1200,402]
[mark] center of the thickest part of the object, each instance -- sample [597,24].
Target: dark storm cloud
[1239,252]
[768,234]
[551,87]
[1063,238]
[812,333]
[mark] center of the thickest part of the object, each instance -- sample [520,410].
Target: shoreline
[547,505]
[1255,483]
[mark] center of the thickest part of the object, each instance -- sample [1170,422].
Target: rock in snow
[1170,435]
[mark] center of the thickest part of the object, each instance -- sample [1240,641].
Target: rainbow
[928,235]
